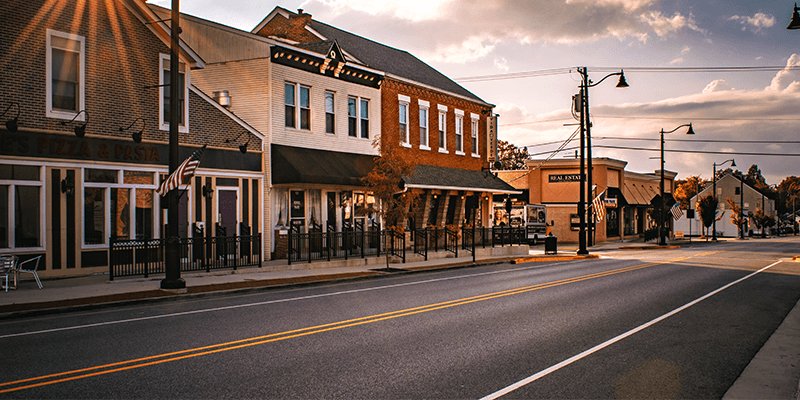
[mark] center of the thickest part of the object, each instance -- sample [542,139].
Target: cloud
[783,80]
[435,29]
[717,85]
[754,23]
[501,63]
[719,113]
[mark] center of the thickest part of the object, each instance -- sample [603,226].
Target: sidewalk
[772,374]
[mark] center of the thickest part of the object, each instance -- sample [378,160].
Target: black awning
[445,178]
[615,193]
[301,165]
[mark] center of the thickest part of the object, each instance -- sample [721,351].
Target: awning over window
[639,194]
[444,178]
[292,165]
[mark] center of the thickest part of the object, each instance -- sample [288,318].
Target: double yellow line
[275,337]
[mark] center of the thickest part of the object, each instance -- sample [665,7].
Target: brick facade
[390,129]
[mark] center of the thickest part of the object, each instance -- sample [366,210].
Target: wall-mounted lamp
[136,136]
[80,130]
[13,124]
[242,147]
[68,186]
[208,192]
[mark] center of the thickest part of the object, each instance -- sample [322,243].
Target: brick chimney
[293,29]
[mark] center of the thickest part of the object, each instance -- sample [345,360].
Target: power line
[702,140]
[658,118]
[678,151]
[562,71]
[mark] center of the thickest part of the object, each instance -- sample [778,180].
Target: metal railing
[352,243]
[127,257]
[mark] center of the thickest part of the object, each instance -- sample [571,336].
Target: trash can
[550,245]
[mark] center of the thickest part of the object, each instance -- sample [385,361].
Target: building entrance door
[63,231]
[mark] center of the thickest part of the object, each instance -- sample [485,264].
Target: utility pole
[172,258]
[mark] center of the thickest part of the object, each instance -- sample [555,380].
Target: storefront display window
[94,215]
[20,206]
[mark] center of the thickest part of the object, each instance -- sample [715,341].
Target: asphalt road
[625,326]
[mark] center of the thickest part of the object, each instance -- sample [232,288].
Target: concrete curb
[650,247]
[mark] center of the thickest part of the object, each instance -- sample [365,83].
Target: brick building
[85,80]
[438,123]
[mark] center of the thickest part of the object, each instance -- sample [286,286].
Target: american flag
[676,211]
[184,172]
[599,206]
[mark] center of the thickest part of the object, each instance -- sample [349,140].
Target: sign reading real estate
[555,178]
[491,138]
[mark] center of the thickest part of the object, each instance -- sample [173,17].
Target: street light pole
[172,259]
[794,23]
[714,193]
[662,240]
[741,208]
[586,176]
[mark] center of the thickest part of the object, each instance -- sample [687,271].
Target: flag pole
[172,259]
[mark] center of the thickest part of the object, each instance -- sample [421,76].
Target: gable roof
[394,62]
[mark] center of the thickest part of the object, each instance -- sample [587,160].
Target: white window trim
[360,118]
[325,107]
[300,109]
[404,141]
[12,184]
[474,133]
[163,64]
[51,113]
[157,220]
[441,128]
[358,100]
[424,105]
[459,133]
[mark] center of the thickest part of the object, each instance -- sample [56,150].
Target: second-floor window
[330,119]
[183,93]
[290,105]
[474,135]
[459,132]
[352,117]
[443,130]
[423,126]
[364,118]
[404,123]
[358,117]
[305,108]
[65,74]
[297,97]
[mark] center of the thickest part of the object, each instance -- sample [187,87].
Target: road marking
[609,342]
[238,344]
[261,303]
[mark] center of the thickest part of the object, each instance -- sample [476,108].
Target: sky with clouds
[724,66]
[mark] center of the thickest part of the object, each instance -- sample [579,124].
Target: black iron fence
[128,257]
[353,243]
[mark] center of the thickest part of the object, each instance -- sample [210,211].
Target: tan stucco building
[628,196]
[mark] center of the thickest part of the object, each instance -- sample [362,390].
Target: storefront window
[94,224]
[145,211]
[102,175]
[3,216]
[26,217]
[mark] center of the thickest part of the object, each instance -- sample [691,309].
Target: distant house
[87,83]
[728,187]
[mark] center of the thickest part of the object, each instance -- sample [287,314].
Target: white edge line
[265,302]
[609,342]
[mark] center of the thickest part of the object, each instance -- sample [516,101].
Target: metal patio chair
[8,268]
[31,271]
